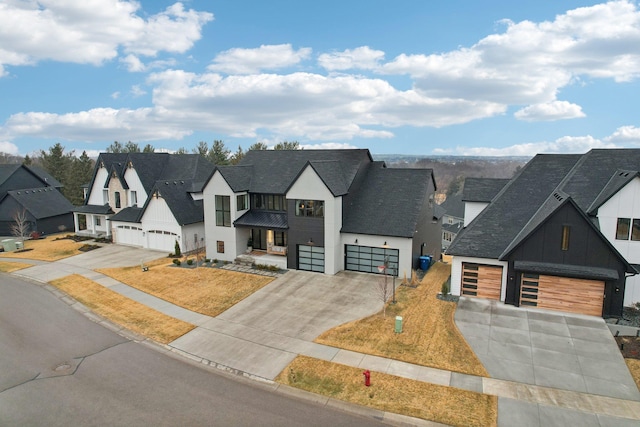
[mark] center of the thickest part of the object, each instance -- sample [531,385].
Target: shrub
[35,235]
[177,262]
[446,286]
[189,261]
[215,261]
[178,252]
[207,260]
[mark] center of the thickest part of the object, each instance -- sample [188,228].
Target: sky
[416,77]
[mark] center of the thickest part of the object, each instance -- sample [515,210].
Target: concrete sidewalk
[263,355]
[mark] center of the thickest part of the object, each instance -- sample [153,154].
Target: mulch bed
[74,237]
[629,347]
[87,248]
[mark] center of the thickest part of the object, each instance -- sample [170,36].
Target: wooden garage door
[580,296]
[483,281]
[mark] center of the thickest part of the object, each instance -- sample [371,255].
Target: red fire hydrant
[367,378]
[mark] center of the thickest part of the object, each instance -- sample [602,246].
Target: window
[220,246]
[223,211]
[271,202]
[447,236]
[622,230]
[98,221]
[280,238]
[105,196]
[565,237]
[117,196]
[134,198]
[310,208]
[242,202]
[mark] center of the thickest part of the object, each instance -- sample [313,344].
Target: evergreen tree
[287,145]
[78,175]
[259,146]
[237,156]
[131,147]
[149,149]
[27,161]
[182,150]
[116,147]
[202,149]
[218,154]
[56,162]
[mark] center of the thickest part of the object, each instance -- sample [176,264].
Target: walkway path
[271,352]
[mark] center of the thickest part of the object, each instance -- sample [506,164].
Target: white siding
[456,273]
[624,204]
[158,216]
[95,195]
[309,186]
[134,183]
[234,243]
[403,244]
[472,210]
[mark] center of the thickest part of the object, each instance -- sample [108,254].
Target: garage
[482,281]
[580,296]
[161,240]
[311,258]
[367,259]
[129,235]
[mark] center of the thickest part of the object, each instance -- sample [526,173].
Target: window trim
[242,202]
[310,208]
[118,200]
[223,210]
[620,228]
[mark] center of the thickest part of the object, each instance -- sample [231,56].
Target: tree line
[74,172]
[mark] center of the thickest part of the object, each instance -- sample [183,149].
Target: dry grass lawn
[9,267]
[47,249]
[123,311]
[208,291]
[446,405]
[429,337]
[634,368]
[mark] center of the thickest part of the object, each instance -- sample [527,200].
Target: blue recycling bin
[425,262]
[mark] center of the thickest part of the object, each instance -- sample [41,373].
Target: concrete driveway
[105,257]
[552,349]
[265,332]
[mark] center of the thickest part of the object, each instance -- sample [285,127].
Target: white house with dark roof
[150,200]
[322,211]
[563,234]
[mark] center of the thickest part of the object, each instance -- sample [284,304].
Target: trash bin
[398,324]
[425,262]
[9,245]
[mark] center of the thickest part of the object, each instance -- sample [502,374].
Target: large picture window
[310,208]
[223,211]
[270,202]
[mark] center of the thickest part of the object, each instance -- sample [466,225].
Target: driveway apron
[545,348]
[287,314]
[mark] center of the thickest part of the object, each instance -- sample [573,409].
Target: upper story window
[242,202]
[627,228]
[270,202]
[564,244]
[117,197]
[223,211]
[312,208]
[105,197]
[134,198]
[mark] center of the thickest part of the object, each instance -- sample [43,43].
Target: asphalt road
[57,368]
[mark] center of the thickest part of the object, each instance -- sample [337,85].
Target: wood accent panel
[482,281]
[571,295]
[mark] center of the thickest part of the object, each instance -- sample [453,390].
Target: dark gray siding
[301,229]
[20,179]
[428,238]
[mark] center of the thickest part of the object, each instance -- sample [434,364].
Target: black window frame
[621,234]
[310,208]
[223,210]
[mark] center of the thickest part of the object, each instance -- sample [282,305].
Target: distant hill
[450,171]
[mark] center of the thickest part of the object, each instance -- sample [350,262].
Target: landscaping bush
[446,286]
[177,250]
[189,261]
[177,262]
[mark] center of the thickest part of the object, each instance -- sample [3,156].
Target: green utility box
[398,324]
[9,245]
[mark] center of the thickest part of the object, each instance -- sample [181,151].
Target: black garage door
[367,259]
[311,258]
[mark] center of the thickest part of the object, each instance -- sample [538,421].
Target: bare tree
[384,291]
[20,226]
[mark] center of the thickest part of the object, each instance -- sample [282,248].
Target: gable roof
[178,199]
[41,202]
[453,206]
[337,168]
[7,170]
[493,230]
[482,189]
[545,184]
[378,208]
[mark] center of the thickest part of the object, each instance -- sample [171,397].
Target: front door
[259,237]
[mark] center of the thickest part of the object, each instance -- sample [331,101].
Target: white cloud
[92,32]
[625,135]
[8,148]
[252,61]
[550,111]
[137,91]
[115,95]
[362,57]
[133,63]
[328,146]
[530,62]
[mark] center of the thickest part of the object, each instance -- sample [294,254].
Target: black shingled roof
[42,202]
[453,206]
[129,214]
[482,189]
[183,207]
[378,208]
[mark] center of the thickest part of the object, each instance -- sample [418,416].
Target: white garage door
[129,235]
[161,240]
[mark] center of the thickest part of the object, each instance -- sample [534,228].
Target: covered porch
[92,221]
[267,234]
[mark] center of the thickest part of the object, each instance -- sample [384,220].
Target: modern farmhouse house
[322,211]
[563,234]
